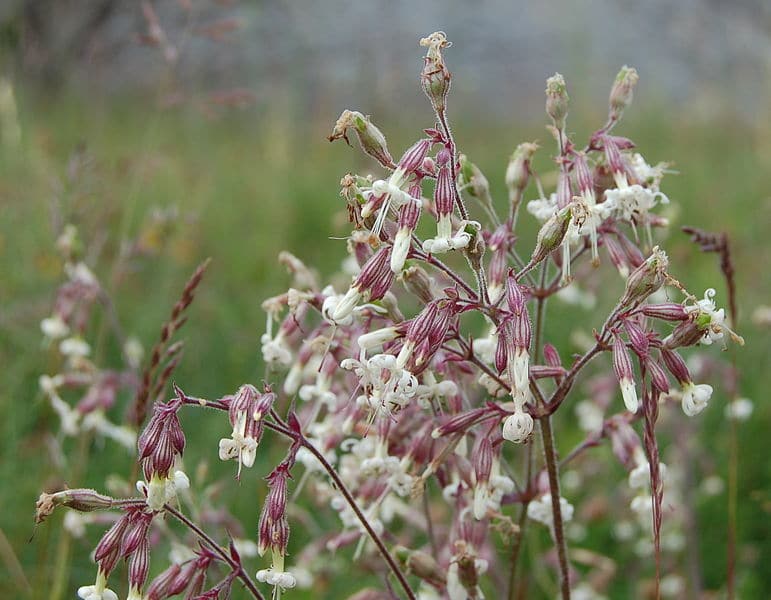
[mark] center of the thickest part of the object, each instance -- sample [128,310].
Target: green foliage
[248,186]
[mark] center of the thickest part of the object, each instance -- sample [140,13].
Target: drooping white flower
[54,327]
[517,427]
[98,591]
[163,490]
[541,510]
[708,318]
[239,445]
[695,397]
[445,240]
[740,409]
[98,422]
[74,347]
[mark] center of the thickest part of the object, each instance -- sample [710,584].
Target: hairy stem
[341,487]
[216,548]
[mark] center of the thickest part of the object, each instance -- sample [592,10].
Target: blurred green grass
[251,184]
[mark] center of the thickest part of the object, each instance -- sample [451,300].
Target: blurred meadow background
[193,128]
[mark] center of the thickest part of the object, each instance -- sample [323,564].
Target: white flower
[319,391]
[518,427]
[445,240]
[74,347]
[239,446]
[75,523]
[639,477]
[649,175]
[275,350]
[708,318]
[543,208]
[387,387]
[376,338]
[695,397]
[98,591]
[80,273]
[134,352]
[430,389]
[54,327]
[281,579]
[590,416]
[488,495]
[163,490]
[68,415]
[740,409]
[629,394]
[395,197]
[541,510]
[520,370]
[245,547]
[338,308]
[96,421]
[633,202]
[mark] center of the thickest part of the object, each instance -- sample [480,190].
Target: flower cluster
[411,393]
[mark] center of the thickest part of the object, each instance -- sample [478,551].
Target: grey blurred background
[701,58]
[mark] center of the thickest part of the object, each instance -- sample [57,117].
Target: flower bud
[676,365]
[422,565]
[371,139]
[637,338]
[273,530]
[83,500]
[518,169]
[557,100]
[647,278]
[658,376]
[551,235]
[622,91]
[668,311]
[473,179]
[417,282]
[435,78]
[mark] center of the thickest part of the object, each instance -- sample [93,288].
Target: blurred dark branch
[718,242]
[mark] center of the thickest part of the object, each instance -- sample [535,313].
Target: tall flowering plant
[417,429]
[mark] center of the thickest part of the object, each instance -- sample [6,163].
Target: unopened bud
[371,139]
[551,235]
[668,311]
[417,282]
[518,170]
[420,564]
[658,376]
[676,365]
[647,278]
[622,92]
[83,500]
[435,78]
[557,100]
[473,179]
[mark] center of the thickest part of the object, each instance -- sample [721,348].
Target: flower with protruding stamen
[246,412]
[372,283]
[444,203]
[386,386]
[160,444]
